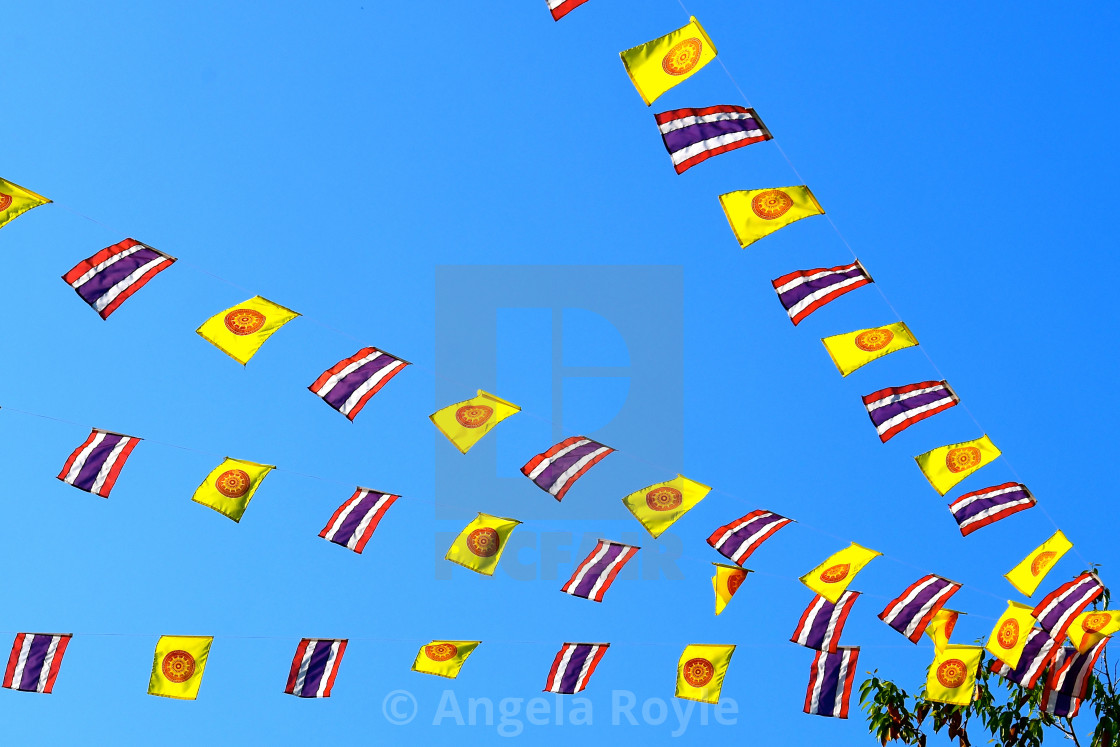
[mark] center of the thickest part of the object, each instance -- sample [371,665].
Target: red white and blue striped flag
[894,409]
[1058,704]
[694,135]
[348,385]
[1058,608]
[804,291]
[95,465]
[108,278]
[830,682]
[980,508]
[822,623]
[315,667]
[557,469]
[598,570]
[1039,649]
[353,523]
[737,540]
[1070,672]
[912,610]
[34,662]
[573,666]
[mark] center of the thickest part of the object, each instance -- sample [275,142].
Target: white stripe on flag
[83,455]
[682,122]
[891,399]
[687,152]
[843,676]
[368,384]
[107,466]
[24,650]
[798,307]
[549,460]
[111,295]
[818,683]
[303,666]
[554,686]
[570,472]
[586,666]
[328,670]
[48,660]
[102,265]
[348,369]
[350,504]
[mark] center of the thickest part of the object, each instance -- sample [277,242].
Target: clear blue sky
[332,157]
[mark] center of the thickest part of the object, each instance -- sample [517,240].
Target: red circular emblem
[244,321]
[178,666]
[1095,621]
[440,651]
[734,581]
[664,499]
[1041,562]
[874,339]
[952,673]
[836,573]
[962,458]
[483,542]
[233,483]
[1008,634]
[771,204]
[472,416]
[5,201]
[683,57]
[698,672]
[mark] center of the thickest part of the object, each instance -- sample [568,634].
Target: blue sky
[335,158]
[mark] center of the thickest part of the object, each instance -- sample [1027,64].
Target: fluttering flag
[1058,609]
[940,628]
[755,213]
[946,466]
[952,676]
[230,486]
[1057,704]
[1071,670]
[658,506]
[349,384]
[443,658]
[480,545]
[315,667]
[830,682]
[726,582]
[240,330]
[464,423]
[15,201]
[894,409]
[1028,574]
[1009,635]
[693,136]
[573,666]
[110,277]
[804,291]
[598,570]
[822,622]
[658,65]
[911,612]
[980,508]
[179,663]
[561,8]
[701,670]
[34,662]
[737,540]
[853,350]
[1089,628]
[831,578]
[95,465]
[355,520]
[556,470]
[1037,652]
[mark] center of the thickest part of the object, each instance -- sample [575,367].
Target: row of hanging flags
[1026,641]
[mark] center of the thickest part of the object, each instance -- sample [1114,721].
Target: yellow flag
[230,487]
[178,666]
[443,658]
[240,330]
[1010,633]
[480,545]
[940,627]
[754,213]
[700,671]
[726,582]
[1032,569]
[945,466]
[952,676]
[464,423]
[831,578]
[1088,628]
[658,65]
[856,349]
[658,506]
[15,201]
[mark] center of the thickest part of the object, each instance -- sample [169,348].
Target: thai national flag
[35,660]
[108,278]
[573,666]
[598,570]
[348,385]
[315,666]
[95,465]
[353,523]
[694,135]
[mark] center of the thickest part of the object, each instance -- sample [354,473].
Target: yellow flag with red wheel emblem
[945,466]
[240,330]
[1010,633]
[481,544]
[658,65]
[1028,574]
[443,658]
[1089,628]
[464,423]
[726,582]
[700,671]
[854,350]
[755,213]
[230,487]
[952,676]
[830,579]
[15,201]
[658,506]
[179,663]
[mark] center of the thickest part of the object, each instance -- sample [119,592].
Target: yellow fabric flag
[754,213]
[15,201]
[443,658]
[1088,628]
[700,671]
[240,330]
[179,663]
[726,582]
[480,545]
[1032,569]
[831,578]
[940,628]
[1010,633]
[230,487]
[658,65]
[945,466]
[952,676]
[464,423]
[658,506]
[856,349]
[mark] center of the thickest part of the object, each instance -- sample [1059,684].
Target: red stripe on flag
[13,660]
[293,675]
[56,663]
